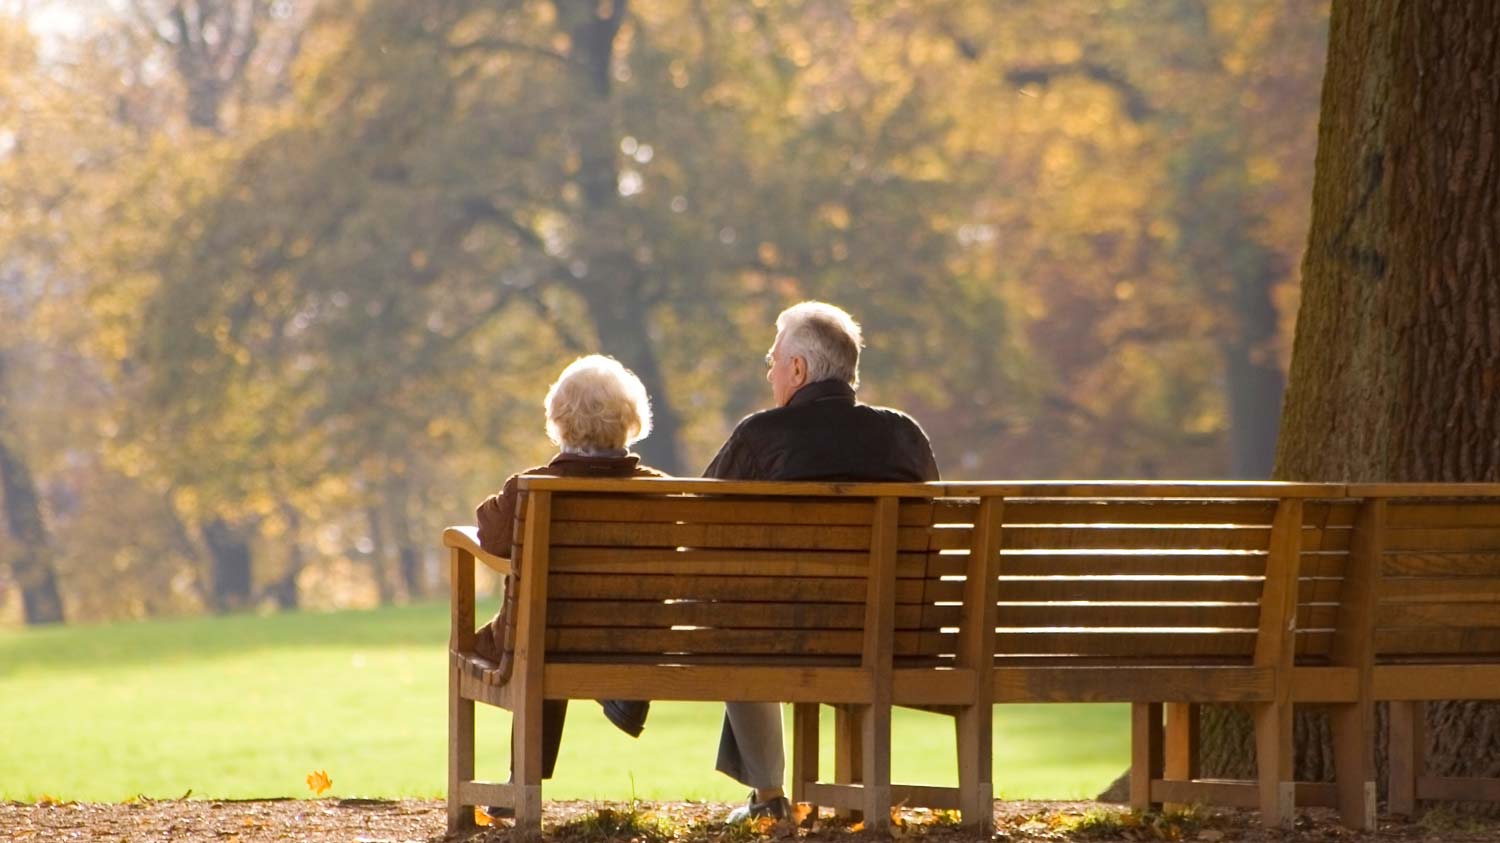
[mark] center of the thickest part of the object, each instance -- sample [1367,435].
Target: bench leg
[1354,763]
[1273,760]
[974,729]
[804,752]
[460,754]
[848,763]
[526,767]
[1180,746]
[1145,753]
[1408,748]
[876,767]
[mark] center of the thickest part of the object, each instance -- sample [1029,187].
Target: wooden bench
[699,590]
[1434,619]
[956,596]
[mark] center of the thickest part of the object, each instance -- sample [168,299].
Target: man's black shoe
[629,716]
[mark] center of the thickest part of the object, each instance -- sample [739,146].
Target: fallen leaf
[318,781]
[482,817]
[1210,834]
[857,827]
[802,814]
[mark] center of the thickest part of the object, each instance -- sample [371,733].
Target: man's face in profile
[786,374]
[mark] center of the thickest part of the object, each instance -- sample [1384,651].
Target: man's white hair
[597,404]
[825,336]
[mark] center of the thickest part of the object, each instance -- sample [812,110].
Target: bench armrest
[467,538]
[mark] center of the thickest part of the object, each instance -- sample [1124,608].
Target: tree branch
[1137,104]
[507,45]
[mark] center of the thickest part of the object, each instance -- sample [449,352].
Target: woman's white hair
[597,404]
[825,336]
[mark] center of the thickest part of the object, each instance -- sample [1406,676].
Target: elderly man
[816,431]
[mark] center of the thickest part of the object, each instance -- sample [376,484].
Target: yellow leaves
[318,781]
[481,817]
[801,812]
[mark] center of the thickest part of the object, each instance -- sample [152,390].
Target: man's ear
[799,371]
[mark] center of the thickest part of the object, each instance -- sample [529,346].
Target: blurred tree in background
[282,284]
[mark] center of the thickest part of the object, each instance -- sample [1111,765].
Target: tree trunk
[229,549]
[41,602]
[609,279]
[1396,367]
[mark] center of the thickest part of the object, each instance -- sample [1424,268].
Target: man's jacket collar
[832,389]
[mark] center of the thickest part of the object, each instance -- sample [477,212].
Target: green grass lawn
[245,706]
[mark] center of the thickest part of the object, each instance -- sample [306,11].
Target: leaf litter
[424,821]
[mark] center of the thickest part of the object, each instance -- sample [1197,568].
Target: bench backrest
[742,578]
[1136,580]
[1438,591]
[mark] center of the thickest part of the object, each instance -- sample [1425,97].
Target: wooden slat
[749,589]
[1139,512]
[1440,564]
[922,513]
[1325,684]
[731,562]
[1440,590]
[1147,538]
[1422,490]
[644,509]
[1116,589]
[766,488]
[726,615]
[1459,615]
[1430,514]
[926,686]
[1135,644]
[1233,794]
[1437,682]
[709,641]
[1457,789]
[1139,564]
[1183,489]
[745,683]
[1131,684]
[1213,489]
[1470,539]
[1437,641]
[1237,794]
[1107,615]
[754,536]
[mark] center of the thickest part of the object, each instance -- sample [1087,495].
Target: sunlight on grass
[248,706]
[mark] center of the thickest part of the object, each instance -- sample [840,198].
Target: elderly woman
[595,410]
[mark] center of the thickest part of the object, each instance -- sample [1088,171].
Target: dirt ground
[380,821]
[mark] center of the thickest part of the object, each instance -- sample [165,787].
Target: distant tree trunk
[284,590]
[612,284]
[1396,368]
[379,556]
[1239,273]
[41,603]
[229,549]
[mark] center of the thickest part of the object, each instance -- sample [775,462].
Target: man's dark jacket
[821,434]
[824,434]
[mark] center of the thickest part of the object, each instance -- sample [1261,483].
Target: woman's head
[596,404]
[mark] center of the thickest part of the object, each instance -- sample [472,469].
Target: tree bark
[229,550]
[41,601]
[609,279]
[1396,366]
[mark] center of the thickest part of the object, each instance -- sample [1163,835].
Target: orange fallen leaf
[318,781]
[482,817]
[801,813]
[857,827]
